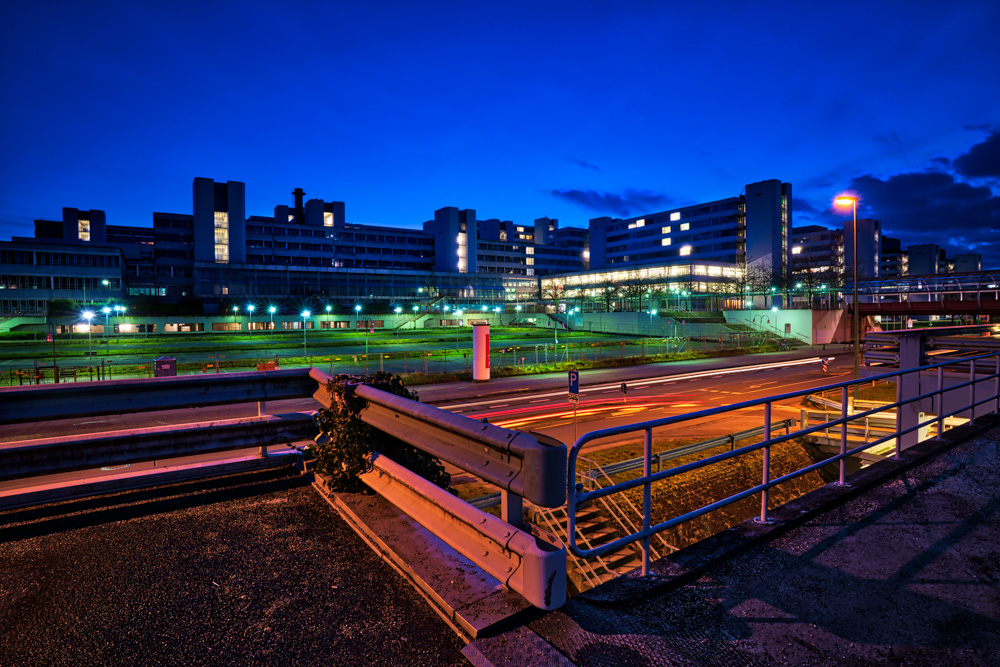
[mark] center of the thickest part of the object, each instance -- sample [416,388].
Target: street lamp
[271,310]
[357,314]
[845,200]
[305,350]
[107,311]
[250,309]
[89,315]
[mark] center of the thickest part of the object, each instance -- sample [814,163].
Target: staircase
[598,522]
[593,528]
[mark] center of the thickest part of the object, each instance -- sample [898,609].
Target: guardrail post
[511,508]
[842,482]
[940,399]
[647,498]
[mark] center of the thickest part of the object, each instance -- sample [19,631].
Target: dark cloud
[583,163]
[802,206]
[932,207]
[981,127]
[622,205]
[982,160]
[941,160]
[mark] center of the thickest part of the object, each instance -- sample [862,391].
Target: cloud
[941,160]
[622,205]
[933,207]
[982,160]
[583,163]
[802,206]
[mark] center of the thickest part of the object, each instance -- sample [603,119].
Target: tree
[345,441]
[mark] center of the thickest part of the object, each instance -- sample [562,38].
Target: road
[604,406]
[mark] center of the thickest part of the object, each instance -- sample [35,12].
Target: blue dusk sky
[518,110]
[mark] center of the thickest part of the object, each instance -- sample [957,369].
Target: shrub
[345,441]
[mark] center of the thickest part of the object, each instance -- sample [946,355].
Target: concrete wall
[798,324]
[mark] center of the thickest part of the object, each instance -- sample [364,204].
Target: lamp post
[357,314]
[89,315]
[305,350]
[107,311]
[845,200]
[235,310]
[270,311]
[250,309]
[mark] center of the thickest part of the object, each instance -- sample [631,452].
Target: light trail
[651,381]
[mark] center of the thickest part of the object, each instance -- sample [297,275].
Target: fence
[406,362]
[907,425]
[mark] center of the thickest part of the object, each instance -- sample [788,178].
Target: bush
[345,441]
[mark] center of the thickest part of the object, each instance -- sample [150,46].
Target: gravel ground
[250,569]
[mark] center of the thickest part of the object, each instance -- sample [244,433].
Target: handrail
[576,495]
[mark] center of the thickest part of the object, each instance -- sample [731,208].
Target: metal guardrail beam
[526,564]
[61,401]
[78,452]
[513,460]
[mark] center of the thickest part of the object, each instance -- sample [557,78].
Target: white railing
[905,424]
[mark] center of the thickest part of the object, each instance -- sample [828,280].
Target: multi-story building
[817,251]
[868,240]
[751,228]
[893,261]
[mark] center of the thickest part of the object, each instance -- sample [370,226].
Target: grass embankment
[689,491]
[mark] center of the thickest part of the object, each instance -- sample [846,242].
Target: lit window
[685,226]
[530,261]
[222,237]
[665,230]
[529,251]
[327,219]
[83,230]
[796,249]
[675,216]
[685,250]
[520,229]
[640,223]
[665,242]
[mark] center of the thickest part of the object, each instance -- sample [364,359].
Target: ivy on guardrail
[344,442]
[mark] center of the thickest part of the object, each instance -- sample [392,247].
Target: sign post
[624,389]
[574,396]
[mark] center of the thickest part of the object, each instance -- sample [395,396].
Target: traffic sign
[574,382]
[574,398]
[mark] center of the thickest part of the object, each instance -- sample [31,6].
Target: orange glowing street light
[852,201]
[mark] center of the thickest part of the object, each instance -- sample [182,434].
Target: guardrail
[46,456]
[908,423]
[61,401]
[517,462]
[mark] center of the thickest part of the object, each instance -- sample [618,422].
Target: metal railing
[905,424]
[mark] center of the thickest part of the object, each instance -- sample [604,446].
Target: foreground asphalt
[251,569]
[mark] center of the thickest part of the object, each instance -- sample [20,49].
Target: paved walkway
[907,573]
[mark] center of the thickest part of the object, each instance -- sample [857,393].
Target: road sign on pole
[574,382]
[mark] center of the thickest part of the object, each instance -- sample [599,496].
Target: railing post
[940,400]
[766,474]
[647,498]
[899,413]
[972,389]
[996,385]
[842,482]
